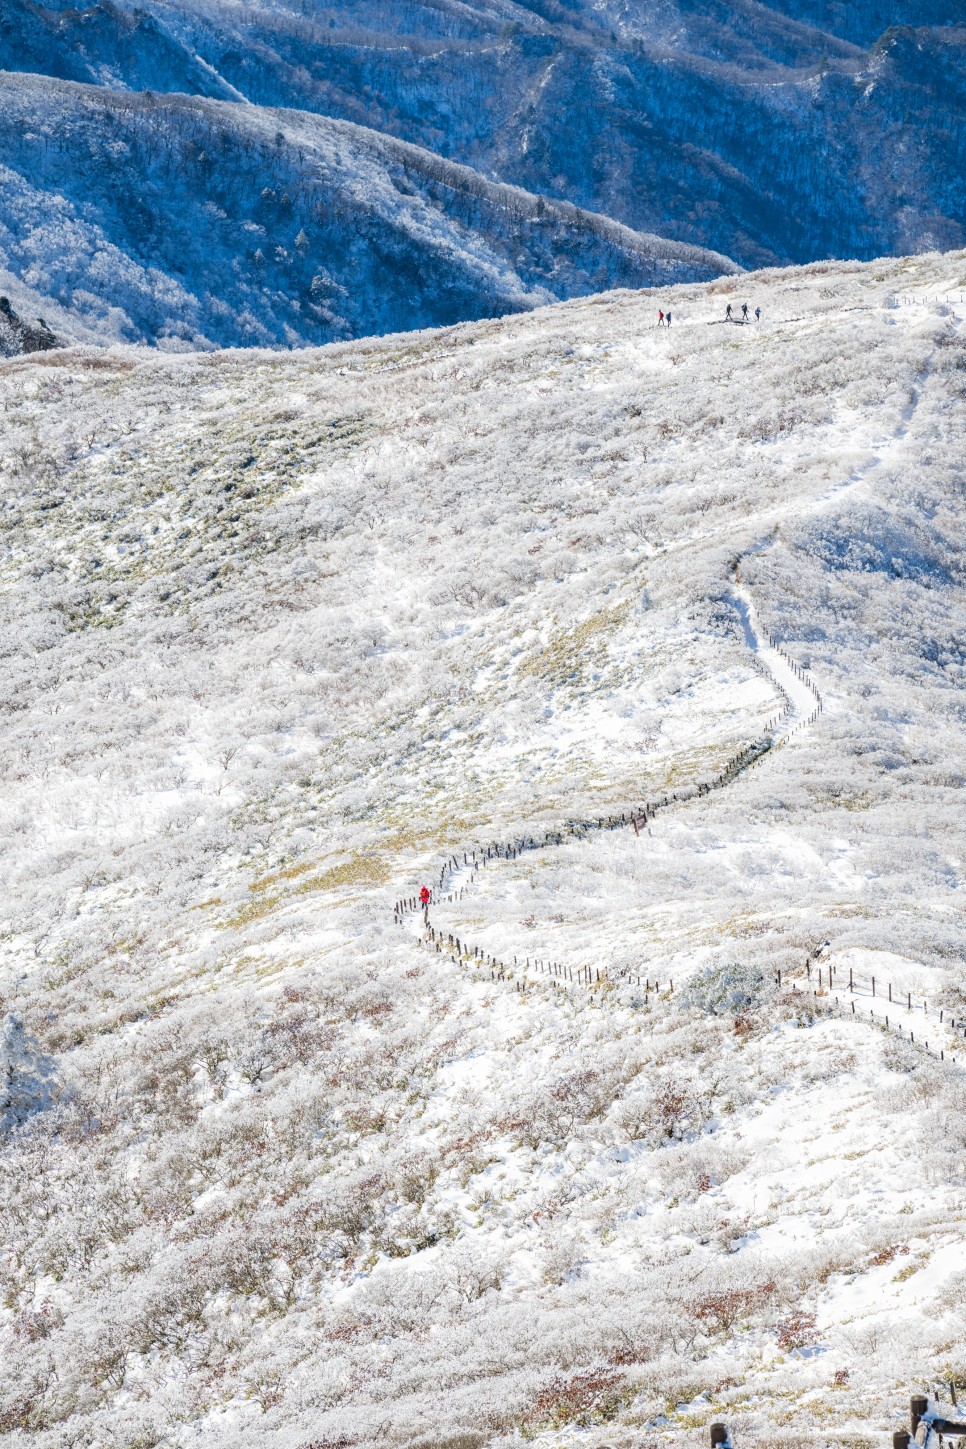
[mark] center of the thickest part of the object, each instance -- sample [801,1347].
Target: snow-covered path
[803,703]
[875,458]
[800,694]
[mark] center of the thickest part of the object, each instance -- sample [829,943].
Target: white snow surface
[280,633]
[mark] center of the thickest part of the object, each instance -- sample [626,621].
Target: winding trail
[802,704]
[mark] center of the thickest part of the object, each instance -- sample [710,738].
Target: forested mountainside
[280,633]
[863,21]
[769,132]
[165,218]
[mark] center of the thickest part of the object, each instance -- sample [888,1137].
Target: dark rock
[18,337]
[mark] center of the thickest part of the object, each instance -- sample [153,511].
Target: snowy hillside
[781,131]
[280,633]
[192,223]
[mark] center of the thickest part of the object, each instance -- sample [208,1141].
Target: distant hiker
[757,314]
[744,311]
[668,319]
[728,313]
[660,319]
[424,896]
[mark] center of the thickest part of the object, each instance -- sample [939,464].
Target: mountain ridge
[206,223]
[743,128]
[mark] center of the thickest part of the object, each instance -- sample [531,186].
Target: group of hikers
[664,318]
[730,317]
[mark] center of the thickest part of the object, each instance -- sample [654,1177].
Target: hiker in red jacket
[424,896]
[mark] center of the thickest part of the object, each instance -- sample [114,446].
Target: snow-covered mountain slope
[863,22]
[191,222]
[769,132]
[281,631]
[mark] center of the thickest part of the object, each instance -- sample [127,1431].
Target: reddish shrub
[724,1310]
[632,1353]
[795,1331]
[588,1397]
[887,1254]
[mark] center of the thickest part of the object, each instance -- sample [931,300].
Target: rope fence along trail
[933,1423]
[934,1030]
[458,872]
[926,299]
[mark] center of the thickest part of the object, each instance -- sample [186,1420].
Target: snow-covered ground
[280,634]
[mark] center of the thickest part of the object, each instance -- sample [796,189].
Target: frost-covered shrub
[666,1109]
[451,1439]
[728,989]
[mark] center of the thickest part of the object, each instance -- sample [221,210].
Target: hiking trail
[802,704]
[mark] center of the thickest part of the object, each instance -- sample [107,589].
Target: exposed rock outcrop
[18,337]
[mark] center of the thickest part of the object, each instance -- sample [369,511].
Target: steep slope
[193,222]
[279,632]
[779,132]
[103,44]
